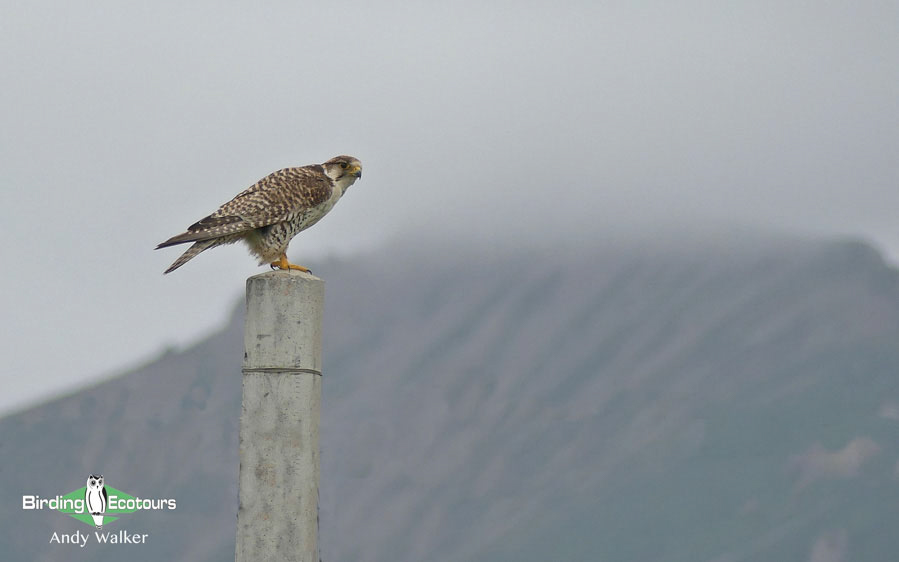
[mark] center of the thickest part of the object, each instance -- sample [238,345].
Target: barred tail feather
[191,253]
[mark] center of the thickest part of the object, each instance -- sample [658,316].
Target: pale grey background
[525,122]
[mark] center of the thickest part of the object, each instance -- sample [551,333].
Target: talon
[282,263]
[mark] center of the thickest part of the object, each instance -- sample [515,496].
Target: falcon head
[344,170]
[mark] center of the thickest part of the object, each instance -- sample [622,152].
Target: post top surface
[279,275]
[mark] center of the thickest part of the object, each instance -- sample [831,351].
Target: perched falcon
[272,211]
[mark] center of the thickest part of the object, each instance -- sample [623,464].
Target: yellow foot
[284,264]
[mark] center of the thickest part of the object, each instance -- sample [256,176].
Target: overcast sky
[124,123]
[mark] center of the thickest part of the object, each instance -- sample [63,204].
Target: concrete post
[277,516]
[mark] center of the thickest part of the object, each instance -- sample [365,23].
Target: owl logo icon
[96,498]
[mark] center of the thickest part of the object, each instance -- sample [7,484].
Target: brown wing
[273,199]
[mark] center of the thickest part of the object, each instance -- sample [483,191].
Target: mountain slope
[718,404]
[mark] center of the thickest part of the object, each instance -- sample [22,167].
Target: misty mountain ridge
[597,402]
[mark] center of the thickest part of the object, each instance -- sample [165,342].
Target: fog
[514,122]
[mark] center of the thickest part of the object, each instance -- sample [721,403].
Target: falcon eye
[343,165]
